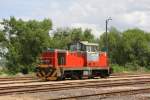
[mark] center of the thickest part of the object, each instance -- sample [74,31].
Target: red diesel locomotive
[82,60]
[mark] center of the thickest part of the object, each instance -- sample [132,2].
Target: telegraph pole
[106,39]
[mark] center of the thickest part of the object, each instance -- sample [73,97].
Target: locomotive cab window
[83,46]
[91,48]
[75,47]
[94,48]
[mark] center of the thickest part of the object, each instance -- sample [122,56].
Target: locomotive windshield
[83,46]
[91,48]
[75,47]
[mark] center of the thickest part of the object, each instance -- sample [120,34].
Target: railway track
[128,75]
[26,80]
[16,80]
[29,79]
[55,86]
[19,85]
[103,95]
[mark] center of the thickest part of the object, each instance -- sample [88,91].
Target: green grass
[6,73]
[129,69]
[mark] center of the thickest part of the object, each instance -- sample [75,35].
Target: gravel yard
[41,96]
[82,91]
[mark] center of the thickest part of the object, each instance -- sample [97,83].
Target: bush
[118,69]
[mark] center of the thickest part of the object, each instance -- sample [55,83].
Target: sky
[91,14]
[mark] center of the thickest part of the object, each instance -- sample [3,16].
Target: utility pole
[106,39]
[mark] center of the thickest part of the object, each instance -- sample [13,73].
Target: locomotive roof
[87,43]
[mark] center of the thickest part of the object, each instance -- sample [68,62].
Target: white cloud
[1,26]
[95,30]
[135,17]
[125,14]
[85,13]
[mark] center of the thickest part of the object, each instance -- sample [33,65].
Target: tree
[88,36]
[129,47]
[114,44]
[2,44]
[25,41]
[62,37]
[136,47]
[21,42]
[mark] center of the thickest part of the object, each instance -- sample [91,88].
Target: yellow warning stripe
[53,76]
[43,73]
[38,74]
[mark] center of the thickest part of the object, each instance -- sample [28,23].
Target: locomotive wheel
[76,75]
[91,77]
[111,70]
[104,74]
[60,78]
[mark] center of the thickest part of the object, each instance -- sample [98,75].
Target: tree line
[21,42]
